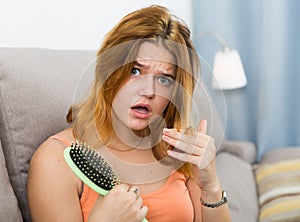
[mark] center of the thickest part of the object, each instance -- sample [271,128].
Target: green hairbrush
[91,168]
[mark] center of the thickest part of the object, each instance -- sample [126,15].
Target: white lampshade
[228,71]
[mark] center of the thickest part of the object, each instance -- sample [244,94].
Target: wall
[65,24]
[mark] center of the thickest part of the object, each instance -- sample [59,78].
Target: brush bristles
[93,166]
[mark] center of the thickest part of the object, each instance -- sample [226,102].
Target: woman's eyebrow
[164,72]
[168,74]
[139,64]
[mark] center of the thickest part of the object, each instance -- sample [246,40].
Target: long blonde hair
[92,118]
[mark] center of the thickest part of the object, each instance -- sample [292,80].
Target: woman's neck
[128,144]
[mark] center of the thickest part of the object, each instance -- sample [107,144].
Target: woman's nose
[147,86]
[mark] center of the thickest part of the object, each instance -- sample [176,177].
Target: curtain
[266,33]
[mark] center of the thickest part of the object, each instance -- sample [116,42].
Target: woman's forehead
[152,52]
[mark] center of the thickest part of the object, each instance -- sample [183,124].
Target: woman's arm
[212,195]
[52,188]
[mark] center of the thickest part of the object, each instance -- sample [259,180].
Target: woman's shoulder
[49,155]
[55,144]
[66,136]
[49,158]
[51,150]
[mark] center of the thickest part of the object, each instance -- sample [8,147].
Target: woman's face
[146,94]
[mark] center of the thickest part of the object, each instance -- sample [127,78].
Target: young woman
[138,117]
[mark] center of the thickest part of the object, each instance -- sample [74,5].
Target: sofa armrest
[281,154]
[236,177]
[245,150]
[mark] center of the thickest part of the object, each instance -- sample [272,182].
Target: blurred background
[266,34]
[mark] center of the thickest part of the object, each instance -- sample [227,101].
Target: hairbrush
[91,168]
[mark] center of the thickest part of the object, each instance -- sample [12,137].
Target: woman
[138,117]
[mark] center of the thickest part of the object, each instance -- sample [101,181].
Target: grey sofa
[36,88]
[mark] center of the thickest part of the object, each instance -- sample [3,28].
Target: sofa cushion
[36,88]
[236,177]
[279,190]
[9,207]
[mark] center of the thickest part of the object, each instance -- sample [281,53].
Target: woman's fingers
[142,210]
[143,213]
[198,138]
[183,146]
[201,161]
[184,157]
[130,200]
[191,144]
[202,127]
[198,148]
[136,191]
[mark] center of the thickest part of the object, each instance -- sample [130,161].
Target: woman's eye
[166,81]
[135,72]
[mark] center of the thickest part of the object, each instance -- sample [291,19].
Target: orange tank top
[171,202]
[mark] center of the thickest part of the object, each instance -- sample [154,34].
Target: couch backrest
[37,86]
[9,204]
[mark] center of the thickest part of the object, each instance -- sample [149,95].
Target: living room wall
[70,24]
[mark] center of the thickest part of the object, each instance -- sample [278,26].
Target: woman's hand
[198,149]
[120,204]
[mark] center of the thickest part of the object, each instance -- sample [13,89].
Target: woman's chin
[141,131]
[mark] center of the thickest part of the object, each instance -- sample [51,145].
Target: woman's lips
[141,110]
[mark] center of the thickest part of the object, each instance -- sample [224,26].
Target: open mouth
[141,108]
